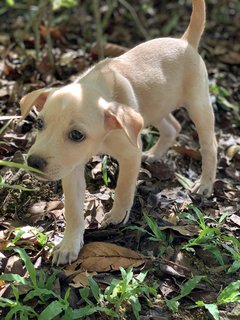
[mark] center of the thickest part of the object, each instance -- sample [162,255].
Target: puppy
[104,112]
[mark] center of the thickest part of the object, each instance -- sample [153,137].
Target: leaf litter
[162,187]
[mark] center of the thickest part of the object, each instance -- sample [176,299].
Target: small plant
[40,286]
[229,294]
[187,287]
[30,232]
[212,239]
[221,94]
[128,290]
[20,166]
[119,296]
[155,234]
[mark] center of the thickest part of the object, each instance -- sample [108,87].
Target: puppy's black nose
[36,162]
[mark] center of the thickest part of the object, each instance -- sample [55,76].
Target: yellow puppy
[105,110]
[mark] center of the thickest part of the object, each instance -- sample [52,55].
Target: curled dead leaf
[232,151]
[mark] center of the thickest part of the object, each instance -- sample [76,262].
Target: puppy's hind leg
[169,129]
[126,184]
[203,117]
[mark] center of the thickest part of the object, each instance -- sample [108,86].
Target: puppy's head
[72,124]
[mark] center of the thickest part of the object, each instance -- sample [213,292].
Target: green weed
[213,240]
[229,294]
[16,165]
[154,234]
[119,296]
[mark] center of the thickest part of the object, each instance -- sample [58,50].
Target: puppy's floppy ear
[36,98]
[118,116]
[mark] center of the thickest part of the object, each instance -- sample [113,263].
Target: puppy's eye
[76,135]
[39,124]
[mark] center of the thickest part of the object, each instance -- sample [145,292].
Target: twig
[135,18]
[99,35]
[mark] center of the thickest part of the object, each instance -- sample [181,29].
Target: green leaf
[230,293]
[172,305]
[199,215]
[17,187]
[213,310]
[129,275]
[136,306]
[141,277]
[84,292]
[216,252]
[14,277]
[39,292]
[5,302]
[234,267]
[10,3]
[63,3]
[28,263]
[83,312]
[24,311]
[189,285]
[136,228]
[18,236]
[224,215]
[233,240]
[52,310]
[95,288]
[15,292]
[185,182]
[154,228]
[19,166]
[104,170]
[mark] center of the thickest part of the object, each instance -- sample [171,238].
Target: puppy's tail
[197,23]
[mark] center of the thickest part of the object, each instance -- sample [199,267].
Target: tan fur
[110,104]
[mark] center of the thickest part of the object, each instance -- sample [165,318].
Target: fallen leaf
[231,58]
[235,218]
[185,182]
[194,154]
[187,230]
[103,256]
[109,50]
[79,279]
[5,244]
[232,151]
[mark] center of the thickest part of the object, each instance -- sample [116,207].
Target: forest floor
[173,234]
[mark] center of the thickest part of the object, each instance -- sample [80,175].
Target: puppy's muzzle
[36,162]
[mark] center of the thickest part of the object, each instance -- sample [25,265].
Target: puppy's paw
[115,217]
[67,251]
[204,188]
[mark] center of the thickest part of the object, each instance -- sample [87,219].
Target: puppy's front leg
[74,190]
[124,193]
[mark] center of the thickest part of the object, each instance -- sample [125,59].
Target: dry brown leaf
[231,58]
[109,50]
[5,244]
[194,154]
[79,279]
[103,256]
[187,230]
